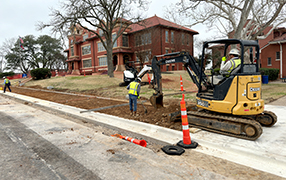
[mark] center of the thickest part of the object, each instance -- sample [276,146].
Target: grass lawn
[106,86]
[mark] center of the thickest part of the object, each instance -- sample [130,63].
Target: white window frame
[277,59]
[268,61]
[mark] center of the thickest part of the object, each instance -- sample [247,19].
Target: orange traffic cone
[135,141]
[186,143]
[181,80]
[84,72]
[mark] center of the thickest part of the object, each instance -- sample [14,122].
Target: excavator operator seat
[235,70]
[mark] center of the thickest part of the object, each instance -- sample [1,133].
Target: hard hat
[234,52]
[139,79]
[4,77]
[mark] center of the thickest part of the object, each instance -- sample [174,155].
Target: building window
[149,38]
[188,39]
[166,36]
[86,50]
[137,43]
[72,51]
[278,55]
[172,37]
[124,40]
[167,68]
[86,63]
[143,39]
[183,39]
[113,39]
[100,32]
[148,56]
[103,61]
[146,39]
[173,68]
[269,61]
[166,51]
[100,47]
[85,37]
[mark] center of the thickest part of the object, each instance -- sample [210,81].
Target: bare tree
[94,15]
[247,19]
[4,50]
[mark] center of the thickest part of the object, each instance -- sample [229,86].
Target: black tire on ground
[173,150]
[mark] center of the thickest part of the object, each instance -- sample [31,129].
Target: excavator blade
[157,100]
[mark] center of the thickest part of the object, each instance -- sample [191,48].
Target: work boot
[135,114]
[131,113]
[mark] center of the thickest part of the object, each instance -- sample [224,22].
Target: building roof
[157,21]
[281,39]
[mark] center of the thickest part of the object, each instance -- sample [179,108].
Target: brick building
[273,52]
[157,36]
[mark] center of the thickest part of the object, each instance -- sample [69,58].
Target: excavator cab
[238,92]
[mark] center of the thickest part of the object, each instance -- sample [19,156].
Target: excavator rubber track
[267,118]
[227,125]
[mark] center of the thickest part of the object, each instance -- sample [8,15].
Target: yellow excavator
[228,104]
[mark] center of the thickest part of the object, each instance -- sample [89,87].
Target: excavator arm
[194,70]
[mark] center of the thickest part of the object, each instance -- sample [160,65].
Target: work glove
[223,58]
[138,97]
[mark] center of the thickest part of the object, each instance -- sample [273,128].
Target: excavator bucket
[157,100]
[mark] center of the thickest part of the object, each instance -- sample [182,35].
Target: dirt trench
[159,116]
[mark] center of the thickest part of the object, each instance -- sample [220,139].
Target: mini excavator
[232,106]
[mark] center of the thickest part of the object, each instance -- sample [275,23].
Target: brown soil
[159,117]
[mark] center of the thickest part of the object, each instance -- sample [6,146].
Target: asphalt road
[38,145]
[26,155]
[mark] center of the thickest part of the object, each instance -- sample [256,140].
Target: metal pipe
[281,69]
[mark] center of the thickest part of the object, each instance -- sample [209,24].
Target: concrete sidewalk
[279,102]
[268,153]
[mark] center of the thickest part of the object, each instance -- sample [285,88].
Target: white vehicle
[131,74]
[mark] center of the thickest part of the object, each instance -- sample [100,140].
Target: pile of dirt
[160,116]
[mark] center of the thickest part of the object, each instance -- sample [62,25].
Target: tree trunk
[109,59]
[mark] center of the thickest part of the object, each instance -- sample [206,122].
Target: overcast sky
[19,17]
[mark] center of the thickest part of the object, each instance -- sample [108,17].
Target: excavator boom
[190,64]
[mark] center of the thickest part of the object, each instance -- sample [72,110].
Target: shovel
[145,110]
